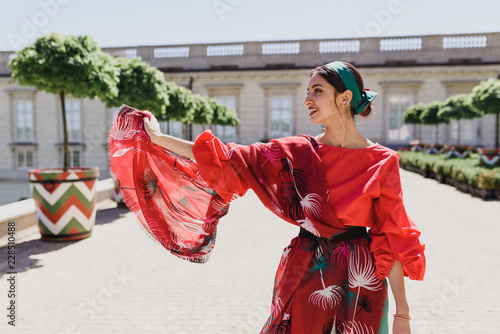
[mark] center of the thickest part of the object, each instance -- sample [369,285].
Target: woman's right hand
[152,127]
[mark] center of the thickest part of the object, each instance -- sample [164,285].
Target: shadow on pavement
[26,252]
[106,216]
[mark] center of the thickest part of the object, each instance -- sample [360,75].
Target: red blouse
[365,190]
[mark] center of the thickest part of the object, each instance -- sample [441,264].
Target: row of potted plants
[487,157]
[465,174]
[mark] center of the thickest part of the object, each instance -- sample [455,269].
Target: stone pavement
[119,281]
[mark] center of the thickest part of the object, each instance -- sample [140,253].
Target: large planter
[65,202]
[434,149]
[489,157]
[458,152]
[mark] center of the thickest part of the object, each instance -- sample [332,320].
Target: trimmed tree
[66,65]
[486,98]
[458,107]
[430,116]
[412,116]
[203,112]
[141,86]
[181,105]
[223,115]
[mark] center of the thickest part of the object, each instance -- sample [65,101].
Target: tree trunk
[65,133]
[190,126]
[437,134]
[497,130]
[459,131]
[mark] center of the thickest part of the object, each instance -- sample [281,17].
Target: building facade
[265,82]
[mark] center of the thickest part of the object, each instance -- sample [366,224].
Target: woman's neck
[344,136]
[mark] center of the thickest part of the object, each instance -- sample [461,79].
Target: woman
[331,278]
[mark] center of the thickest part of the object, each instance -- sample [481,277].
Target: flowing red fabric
[165,190]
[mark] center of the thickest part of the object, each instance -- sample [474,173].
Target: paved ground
[119,281]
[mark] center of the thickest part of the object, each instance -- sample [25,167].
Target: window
[74,158]
[398,131]
[24,158]
[226,133]
[281,117]
[73,121]
[173,128]
[24,118]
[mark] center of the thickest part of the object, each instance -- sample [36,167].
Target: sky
[114,23]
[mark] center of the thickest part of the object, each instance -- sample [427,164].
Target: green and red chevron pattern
[65,202]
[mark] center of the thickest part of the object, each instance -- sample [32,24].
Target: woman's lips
[312,111]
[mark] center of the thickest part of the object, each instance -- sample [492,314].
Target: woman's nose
[307,101]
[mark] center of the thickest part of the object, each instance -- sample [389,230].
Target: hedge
[465,174]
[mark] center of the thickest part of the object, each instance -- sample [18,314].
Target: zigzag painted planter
[458,152]
[489,157]
[65,202]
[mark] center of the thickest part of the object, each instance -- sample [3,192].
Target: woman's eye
[317,90]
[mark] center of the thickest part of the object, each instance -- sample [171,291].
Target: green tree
[458,107]
[66,65]
[486,98]
[181,106]
[203,112]
[430,116]
[412,116]
[141,86]
[223,115]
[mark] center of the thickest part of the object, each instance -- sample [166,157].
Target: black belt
[356,232]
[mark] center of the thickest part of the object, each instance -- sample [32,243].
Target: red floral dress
[323,284]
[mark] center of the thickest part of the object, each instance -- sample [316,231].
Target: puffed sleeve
[213,160]
[394,235]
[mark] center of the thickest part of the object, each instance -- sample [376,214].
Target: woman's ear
[346,97]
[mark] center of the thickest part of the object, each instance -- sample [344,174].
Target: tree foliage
[458,107]
[223,115]
[430,114]
[203,113]
[412,114]
[73,64]
[141,86]
[181,106]
[486,96]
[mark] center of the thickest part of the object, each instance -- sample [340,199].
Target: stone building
[266,83]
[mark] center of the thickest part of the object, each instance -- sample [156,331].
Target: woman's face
[322,101]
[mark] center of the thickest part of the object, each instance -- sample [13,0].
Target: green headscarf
[359,101]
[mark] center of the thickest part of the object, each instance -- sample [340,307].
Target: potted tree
[430,116]
[458,107]
[65,197]
[412,116]
[486,98]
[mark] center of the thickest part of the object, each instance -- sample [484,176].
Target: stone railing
[373,51]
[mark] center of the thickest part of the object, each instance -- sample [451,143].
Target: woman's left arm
[397,283]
